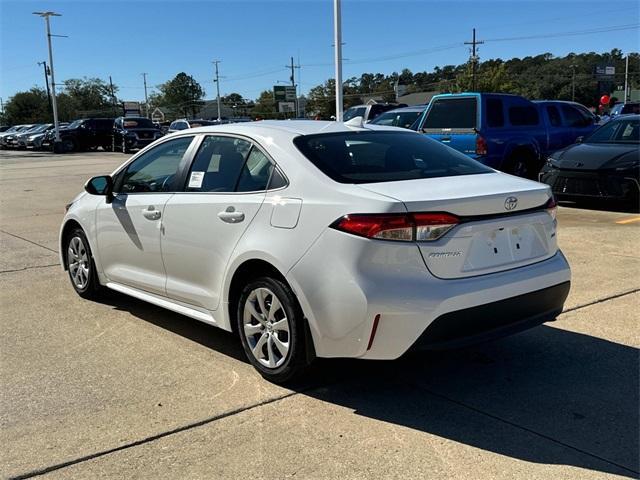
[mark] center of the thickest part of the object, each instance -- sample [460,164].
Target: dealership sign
[284,93]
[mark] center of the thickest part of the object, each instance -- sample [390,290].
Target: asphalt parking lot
[122,389]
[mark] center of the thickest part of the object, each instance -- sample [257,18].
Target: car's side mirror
[100,185]
[579,139]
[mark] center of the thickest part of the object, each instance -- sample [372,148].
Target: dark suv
[130,133]
[84,134]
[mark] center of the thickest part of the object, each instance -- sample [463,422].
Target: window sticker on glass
[195,180]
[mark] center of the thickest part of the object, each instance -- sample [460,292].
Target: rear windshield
[454,113]
[371,157]
[395,118]
[137,123]
[354,112]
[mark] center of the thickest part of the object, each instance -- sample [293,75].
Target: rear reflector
[404,227]
[481,146]
[552,207]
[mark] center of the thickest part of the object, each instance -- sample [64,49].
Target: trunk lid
[495,232]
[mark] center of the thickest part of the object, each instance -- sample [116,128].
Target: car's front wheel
[271,328]
[80,265]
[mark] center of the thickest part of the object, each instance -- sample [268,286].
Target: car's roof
[291,127]
[626,117]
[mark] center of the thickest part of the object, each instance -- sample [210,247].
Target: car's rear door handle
[231,216]
[151,213]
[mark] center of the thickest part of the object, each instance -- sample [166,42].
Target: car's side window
[218,164]
[572,116]
[155,170]
[554,116]
[256,172]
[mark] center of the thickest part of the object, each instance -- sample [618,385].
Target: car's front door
[223,192]
[129,226]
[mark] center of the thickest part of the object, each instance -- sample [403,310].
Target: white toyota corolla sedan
[320,239]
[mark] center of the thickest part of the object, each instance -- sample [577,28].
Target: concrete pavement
[124,389]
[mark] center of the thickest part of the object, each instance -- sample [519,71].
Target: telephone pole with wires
[293,82]
[474,59]
[217,82]
[46,82]
[146,98]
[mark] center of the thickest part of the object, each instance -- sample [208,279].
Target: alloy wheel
[79,262]
[266,327]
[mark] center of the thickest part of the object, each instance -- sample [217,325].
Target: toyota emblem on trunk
[510,203]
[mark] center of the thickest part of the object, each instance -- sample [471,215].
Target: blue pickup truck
[505,132]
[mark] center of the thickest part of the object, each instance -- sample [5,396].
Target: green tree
[265,106]
[28,107]
[182,94]
[89,94]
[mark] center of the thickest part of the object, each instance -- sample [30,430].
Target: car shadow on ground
[546,396]
[601,206]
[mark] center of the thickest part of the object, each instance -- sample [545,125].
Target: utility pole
[626,79]
[46,81]
[113,96]
[337,40]
[474,59]
[573,82]
[46,16]
[217,82]
[146,99]
[293,83]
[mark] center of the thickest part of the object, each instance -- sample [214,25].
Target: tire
[80,265]
[69,145]
[523,163]
[277,337]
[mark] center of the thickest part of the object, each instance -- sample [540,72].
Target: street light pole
[46,16]
[146,99]
[337,39]
[626,79]
[573,83]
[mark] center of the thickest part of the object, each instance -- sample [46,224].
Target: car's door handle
[231,216]
[151,213]
[446,139]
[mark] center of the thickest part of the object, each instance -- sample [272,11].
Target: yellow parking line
[629,220]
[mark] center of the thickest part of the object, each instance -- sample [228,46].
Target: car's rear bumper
[344,283]
[493,320]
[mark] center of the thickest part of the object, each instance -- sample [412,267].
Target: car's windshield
[354,112]
[368,157]
[619,131]
[75,124]
[137,123]
[397,118]
[39,128]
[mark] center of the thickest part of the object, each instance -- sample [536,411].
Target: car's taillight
[481,146]
[552,207]
[404,227]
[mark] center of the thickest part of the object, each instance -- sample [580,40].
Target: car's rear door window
[554,116]
[452,113]
[218,164]
[525,115]
[369,157]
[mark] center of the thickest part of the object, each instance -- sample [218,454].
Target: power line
[611,28]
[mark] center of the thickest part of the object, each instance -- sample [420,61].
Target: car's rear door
[129,226]
[224,189]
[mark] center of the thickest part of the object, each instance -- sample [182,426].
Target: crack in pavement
[30,241]
[151,438]
[600,300]
[29,268]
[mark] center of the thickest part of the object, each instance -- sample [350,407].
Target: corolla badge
[510,203]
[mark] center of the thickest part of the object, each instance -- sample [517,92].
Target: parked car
[21,138]
[603,166]
[35,138]
[624,109]
[369,112]
[506,132]
[4,128]
[406,117]
[130,133]
[320,239]
[84,134]
[10,138]
[183,124]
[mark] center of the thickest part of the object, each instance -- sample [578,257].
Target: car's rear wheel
[523,163]
[69,145]
[80,265]
[271,328]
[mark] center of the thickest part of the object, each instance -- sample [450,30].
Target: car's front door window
[155,170]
